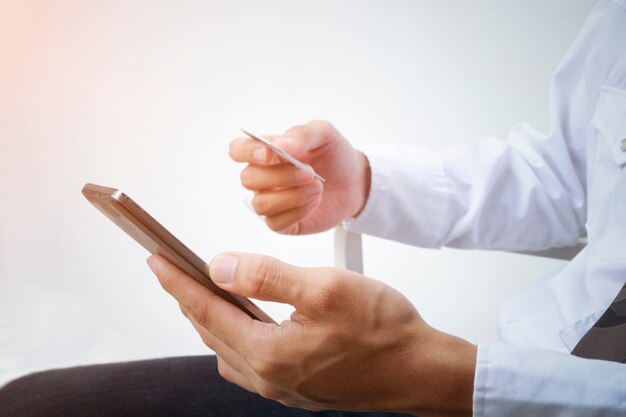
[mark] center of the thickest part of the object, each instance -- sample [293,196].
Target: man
[354,343]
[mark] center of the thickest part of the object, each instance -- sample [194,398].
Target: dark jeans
[174,387]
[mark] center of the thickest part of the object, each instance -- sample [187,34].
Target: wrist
[458,371]
[445,369]
[364,181]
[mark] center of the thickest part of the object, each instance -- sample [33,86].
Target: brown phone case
[150,234]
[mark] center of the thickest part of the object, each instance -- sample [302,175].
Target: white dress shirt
[532,191]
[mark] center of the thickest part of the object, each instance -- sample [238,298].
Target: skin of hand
[352,343]
[291,199]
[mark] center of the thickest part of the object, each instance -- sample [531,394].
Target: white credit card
[284,155]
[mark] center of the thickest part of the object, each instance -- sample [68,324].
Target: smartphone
[149,233]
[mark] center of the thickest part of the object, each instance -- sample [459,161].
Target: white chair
[349,250]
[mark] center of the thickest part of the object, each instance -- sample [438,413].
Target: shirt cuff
[530,382]
[408,198]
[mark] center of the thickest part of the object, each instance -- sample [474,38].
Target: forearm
[445,386]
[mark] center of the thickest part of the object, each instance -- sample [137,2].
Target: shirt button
[622,145]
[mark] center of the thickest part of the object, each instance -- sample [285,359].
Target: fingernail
[152,264]
[222,268]
[259,155]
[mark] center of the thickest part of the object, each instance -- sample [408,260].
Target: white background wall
[145,96]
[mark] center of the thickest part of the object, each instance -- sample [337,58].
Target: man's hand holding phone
[352,343]
[292,200]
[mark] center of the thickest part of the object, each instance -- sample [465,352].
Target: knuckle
[267,369]
[322,125]
[265,360]
[206,340]
[288,403]
[260,204]
[247,178]
[274,224]
[296,130]
[198,311]
[330,294]
[223,369]
[261,275]
[166,282]
[244,177]
[268,391]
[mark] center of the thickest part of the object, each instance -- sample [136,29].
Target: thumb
[262,277]
[299,140]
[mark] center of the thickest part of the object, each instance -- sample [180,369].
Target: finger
[251,151]
[256,177]
[285,221]
[270,203]
[266,278]
[296,141]
[232,375]
[233,357]
[227,322]
[301,139]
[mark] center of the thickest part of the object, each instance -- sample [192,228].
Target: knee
[41,394]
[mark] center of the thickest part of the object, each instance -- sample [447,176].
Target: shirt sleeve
[408,199]
[526,191]
[519,193]
[515,381]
